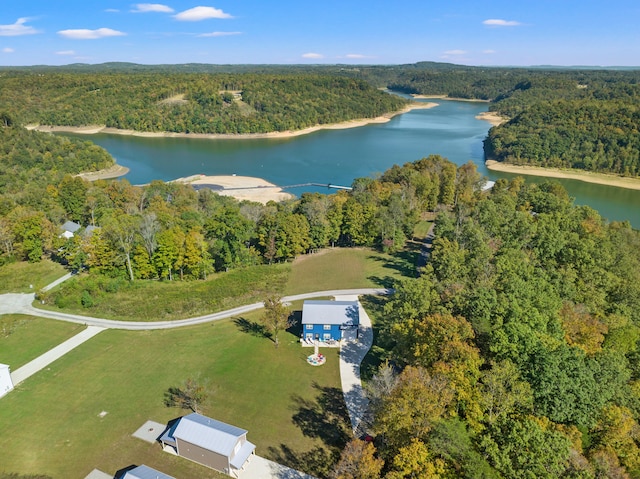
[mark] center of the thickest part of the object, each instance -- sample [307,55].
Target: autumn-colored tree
[358,461]
[276,317]
[411,409]
[582,329]
[415,461]
[618,430]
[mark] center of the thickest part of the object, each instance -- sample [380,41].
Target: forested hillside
[584,119]
[189,103]
[515,354]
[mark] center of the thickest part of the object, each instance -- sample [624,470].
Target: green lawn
[17,277]
[294,412]
[23,338]
[346,268]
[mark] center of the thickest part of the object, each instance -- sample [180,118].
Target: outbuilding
[209,442]
[144,472]
[324,320]
[6,384]
[69,229]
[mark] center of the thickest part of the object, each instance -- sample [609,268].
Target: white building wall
[6,384]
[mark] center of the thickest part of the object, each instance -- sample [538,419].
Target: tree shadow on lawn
[251,327]
[317,461]
[325,418]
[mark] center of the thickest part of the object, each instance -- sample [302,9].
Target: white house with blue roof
[144,472]
[209,442]
[324,320]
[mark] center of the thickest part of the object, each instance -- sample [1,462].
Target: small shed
[144,472]
[209,442]
[6,384]
[328,320]
[69,229]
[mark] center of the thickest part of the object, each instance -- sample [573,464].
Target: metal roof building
[145,472]
[327,320]
[209,442]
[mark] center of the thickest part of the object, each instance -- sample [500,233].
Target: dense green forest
[515,354]
[189,103]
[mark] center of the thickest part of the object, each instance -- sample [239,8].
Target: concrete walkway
[351,356]
[50,356]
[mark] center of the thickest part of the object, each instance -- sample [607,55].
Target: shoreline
[115,171]
[240,187]
[94,129]
[445,97]
[492,117]
[586,176]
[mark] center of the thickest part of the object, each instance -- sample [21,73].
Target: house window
[327,327]
[326,336]
[309,326]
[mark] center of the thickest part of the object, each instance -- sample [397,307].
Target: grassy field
[17,277]
[166,300]
[343,268]
[23,338]
[294,412]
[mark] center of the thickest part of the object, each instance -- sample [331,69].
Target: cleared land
[294,412]
[17,277]
[23,338]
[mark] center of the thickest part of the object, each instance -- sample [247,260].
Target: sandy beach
[586,176]
[493,118]
[93,129]
[239,187]
[114,171]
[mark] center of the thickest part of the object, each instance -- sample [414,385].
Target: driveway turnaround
[351,356]
[261,468]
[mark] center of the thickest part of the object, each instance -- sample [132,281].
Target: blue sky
[470,32]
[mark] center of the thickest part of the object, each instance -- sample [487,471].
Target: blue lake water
[339,156]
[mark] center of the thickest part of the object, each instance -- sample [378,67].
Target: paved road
[22,303]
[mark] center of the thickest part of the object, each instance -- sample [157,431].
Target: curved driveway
[21,303]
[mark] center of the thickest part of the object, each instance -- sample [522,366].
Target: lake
[339,156]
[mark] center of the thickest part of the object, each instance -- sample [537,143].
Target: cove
[339,156]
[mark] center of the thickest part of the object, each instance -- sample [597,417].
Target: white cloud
[112,10]
[86,34]
[219,34]
[312,55]
[355,55]
[455,52]
[151,7]
[66,52]
[488,52]
[16,29]
[7,50]
[495,22]
[196,14]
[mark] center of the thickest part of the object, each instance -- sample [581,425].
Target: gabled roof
[145,472]
[330,312]
[71,226]
[208,433]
